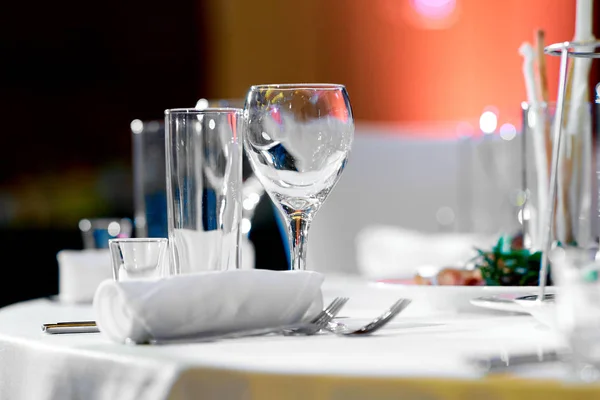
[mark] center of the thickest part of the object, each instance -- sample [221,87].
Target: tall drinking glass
[204,172]
[297,140]
[573,215]
[149,180]
[572,146]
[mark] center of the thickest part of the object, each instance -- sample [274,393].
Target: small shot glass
[134,258]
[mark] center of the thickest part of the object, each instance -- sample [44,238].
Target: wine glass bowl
[297,140]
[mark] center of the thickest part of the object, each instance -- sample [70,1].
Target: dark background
[72,78]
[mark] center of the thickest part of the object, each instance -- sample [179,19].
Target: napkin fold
[80,272]
[385,252]
[205,303]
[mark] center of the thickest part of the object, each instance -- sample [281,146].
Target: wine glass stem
[298,224]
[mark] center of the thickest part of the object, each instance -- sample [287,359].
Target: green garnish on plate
[508,263]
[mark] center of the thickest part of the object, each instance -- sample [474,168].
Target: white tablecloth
[419,346]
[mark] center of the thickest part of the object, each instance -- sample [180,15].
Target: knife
[71,327]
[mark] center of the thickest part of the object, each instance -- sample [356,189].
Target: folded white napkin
[205,302]
[393,252]
[80,272]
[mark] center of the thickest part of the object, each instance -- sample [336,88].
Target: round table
[422,354]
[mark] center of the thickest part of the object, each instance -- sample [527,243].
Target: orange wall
[396,69]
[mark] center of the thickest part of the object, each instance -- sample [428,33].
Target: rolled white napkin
[205,302]
[393,252]
[80,272]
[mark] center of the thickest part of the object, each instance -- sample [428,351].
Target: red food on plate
[452,277]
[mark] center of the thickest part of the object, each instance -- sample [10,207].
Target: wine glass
[298,137]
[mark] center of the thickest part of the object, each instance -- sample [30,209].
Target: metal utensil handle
[71,327]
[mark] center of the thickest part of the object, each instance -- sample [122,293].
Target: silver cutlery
[303,328]
[376,324]
[71,327]
[533,297]
[321,321]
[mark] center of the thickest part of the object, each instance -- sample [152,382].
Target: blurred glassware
[204,185]
[489,177]
[576,271]
[149,178]
[572,192]
[573,218]
[298,139]
[96,232]
[575,263]
[139,258]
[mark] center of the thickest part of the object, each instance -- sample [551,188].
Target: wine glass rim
[297,86]
[208,110]
[526,105]
[575,49]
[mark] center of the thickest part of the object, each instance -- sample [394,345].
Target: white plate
[517,303]
[501,302]
[544,312]
[459,298]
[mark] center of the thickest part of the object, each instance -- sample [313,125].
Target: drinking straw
[535,115]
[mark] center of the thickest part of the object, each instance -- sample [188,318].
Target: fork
[374,325]
[318,323]
[321,321]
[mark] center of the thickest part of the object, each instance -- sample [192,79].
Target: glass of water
[204,185]
[298,138]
